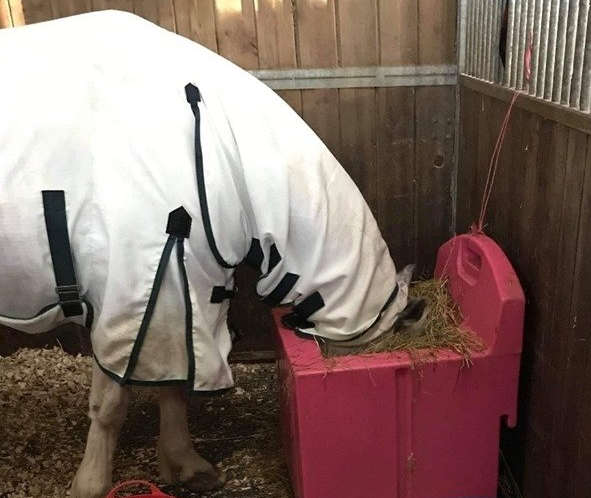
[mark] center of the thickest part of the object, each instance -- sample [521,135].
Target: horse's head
[411,320]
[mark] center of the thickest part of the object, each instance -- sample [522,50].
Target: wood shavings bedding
[43,427]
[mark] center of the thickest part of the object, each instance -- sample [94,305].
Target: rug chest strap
[54,208]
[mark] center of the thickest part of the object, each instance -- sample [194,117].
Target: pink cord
[494,160]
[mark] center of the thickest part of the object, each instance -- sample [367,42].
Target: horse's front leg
[108,409]
[179,461]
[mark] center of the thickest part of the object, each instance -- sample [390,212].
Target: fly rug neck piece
[137,170]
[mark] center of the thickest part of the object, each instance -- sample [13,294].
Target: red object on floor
[378,426]
[154,491]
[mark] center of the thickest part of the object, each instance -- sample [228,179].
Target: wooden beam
[236,32]
[5,19]
[437,31]
[252,357]
[567,116]
[195,19]
[36,11]
[16,12]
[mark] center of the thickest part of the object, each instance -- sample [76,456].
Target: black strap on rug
[54,208]
[193,98]
[294,322]
[283,288]
[274,258]
[298,318]
[254,257]
[219,294]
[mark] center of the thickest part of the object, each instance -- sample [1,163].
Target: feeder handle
[153,489]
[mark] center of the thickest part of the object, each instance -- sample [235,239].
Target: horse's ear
[405,276]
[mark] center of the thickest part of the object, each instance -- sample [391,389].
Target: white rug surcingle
[126,123]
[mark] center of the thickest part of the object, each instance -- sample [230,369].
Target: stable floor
[43,427]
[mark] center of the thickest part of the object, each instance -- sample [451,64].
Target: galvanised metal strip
[543,49]
[569,55]
[358,77]
[494,40]
[529,38]
[479,39]
[585,102]
[519,78]
[579,58]
[470,34]
[484,40]
[563,15]
[536,37]
[516,28]
[498,17]
[488,38]
[510,41]
[462,37]
[551,55]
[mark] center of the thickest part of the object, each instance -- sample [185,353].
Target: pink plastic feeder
[373,426]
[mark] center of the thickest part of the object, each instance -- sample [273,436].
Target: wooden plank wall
[396,143]
[540,215]
[5,18]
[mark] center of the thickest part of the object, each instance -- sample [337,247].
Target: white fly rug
[103,107]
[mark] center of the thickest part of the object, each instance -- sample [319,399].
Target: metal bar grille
[569,52]
[551,50]
[543,49]
[509,44]
[557,35]
[536,39]
[515,56]
[579,55]
[528,40]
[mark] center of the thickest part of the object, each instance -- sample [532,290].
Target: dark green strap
[54,207]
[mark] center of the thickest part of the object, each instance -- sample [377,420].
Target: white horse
[137,169]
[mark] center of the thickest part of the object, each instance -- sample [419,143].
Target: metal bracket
[358,77]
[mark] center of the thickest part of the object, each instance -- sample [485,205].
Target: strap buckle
[69,299]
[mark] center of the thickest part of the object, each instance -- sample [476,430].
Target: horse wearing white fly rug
[137,169]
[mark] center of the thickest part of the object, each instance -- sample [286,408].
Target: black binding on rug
[193,98]
[179,225]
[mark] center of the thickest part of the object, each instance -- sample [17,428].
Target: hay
[43,428]
[442,329]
